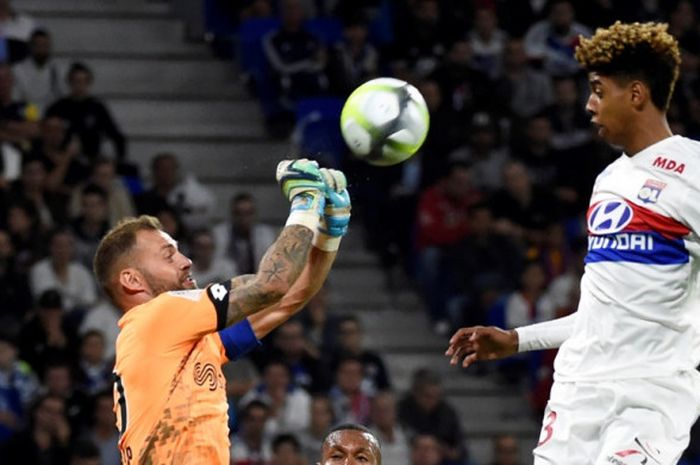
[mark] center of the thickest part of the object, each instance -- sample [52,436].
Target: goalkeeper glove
[303,185]
[336,213]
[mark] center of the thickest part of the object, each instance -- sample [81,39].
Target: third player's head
[632,70]
[137,261]
[350,444]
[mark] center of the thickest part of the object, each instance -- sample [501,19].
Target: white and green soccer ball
[384,121]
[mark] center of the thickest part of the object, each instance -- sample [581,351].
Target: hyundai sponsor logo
[609,217]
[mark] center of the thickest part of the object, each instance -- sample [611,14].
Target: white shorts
[635,421]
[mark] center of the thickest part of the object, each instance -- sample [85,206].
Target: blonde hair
[117,245]
[644,51]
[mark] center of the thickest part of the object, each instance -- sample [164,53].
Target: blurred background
[182,109]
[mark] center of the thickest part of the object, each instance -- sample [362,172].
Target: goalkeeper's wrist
[305,210]
[326,242]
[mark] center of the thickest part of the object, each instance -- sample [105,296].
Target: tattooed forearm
[279,269]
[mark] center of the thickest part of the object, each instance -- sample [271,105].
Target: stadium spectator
[39,78]
[58,380]
[465,88]
[47,336]
[291,346]
[61,271]
[18,387]
[483,152]
[521,90]
[522,210]
[33,186]
[352,61]
[529,303]
[17,29]
[101,431]
[251,446]
[535,149]
[350,343]
[15,294]
[442,221]
[424,411]
[61,155]
[192,201]
[552,40]
[45,440]
[94,369]
[296,58]
[349,397]
[119,201]
[384,424]
[320,323]
[18,118]
[88,117]
[426,450]
[311,439]
[289,404]
[571,124]
[286,450]
[91,223]
[23,225]
[103,317]
[487,41]
[505,450]
[480,267]
[421,39]
[243,239]
[206,266]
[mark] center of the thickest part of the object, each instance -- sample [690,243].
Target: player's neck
[647,132]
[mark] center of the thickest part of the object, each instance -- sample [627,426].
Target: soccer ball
[384,121]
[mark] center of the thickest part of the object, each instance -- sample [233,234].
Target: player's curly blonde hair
[644,51]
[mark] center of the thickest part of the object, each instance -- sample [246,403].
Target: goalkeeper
[169,389]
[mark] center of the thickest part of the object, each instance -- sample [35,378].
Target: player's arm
[244,336]
[304,185]
[493,343]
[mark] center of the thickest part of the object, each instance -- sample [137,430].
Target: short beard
[158,286]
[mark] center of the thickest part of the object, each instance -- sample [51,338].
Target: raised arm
[245,336]
[282,264]
[333,226]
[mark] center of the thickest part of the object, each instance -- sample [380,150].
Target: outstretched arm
[492,343]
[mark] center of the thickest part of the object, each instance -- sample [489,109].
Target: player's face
[350,447]
[162,265]
[609,107]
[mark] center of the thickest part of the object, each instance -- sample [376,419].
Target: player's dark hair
[636,51]
[361,429]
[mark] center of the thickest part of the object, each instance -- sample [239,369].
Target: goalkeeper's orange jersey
[170,396]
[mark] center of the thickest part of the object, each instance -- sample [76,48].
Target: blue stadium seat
[317,131]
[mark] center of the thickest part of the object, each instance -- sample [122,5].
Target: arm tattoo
[279,268]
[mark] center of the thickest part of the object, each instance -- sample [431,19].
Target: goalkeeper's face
[163,267]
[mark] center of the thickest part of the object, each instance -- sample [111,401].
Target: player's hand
[481,343]
[301,176]
[336,213]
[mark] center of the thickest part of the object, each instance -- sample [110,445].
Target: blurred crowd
[487,220]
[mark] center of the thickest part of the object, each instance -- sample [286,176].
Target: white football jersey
[639,313]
